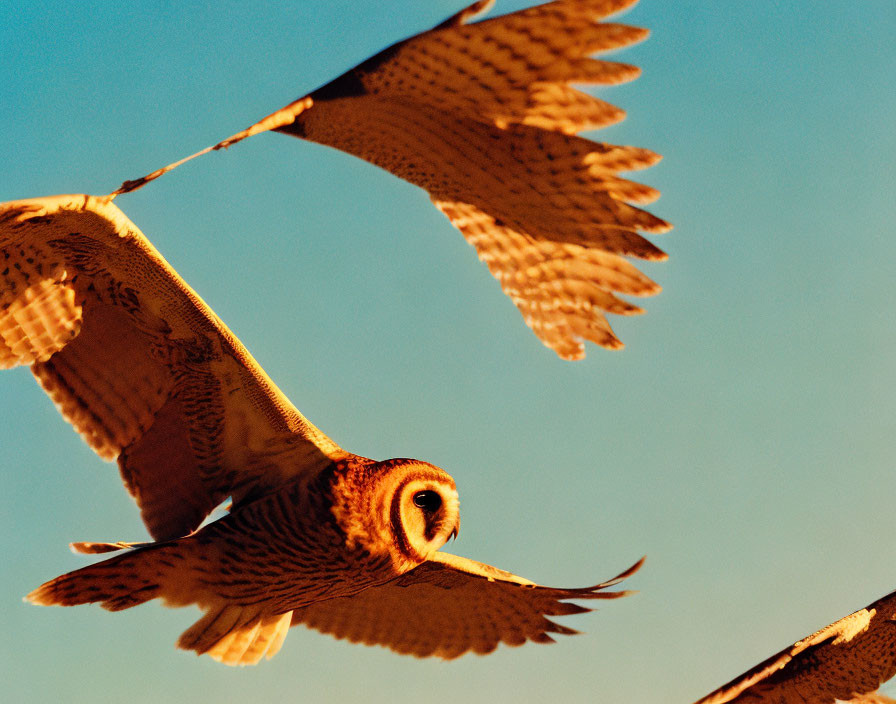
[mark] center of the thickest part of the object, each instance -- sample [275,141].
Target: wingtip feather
[90,548]
[39,597]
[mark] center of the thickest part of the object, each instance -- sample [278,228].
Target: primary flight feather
[148,375]
[483,116]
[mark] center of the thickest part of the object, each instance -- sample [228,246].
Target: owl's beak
[456,530]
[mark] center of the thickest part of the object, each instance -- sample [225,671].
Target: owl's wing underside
[141,366]
[483,117]
[450,605]
[846,661]
[545,211]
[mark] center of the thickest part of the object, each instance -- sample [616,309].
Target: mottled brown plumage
[483,117]
[846,661]
[147,373]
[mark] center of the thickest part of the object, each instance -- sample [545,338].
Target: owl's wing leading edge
[483,117]
[141,366]
[448,606]
[845,661]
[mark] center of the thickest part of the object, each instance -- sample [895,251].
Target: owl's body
[481,115]
[147,373]
[307,542]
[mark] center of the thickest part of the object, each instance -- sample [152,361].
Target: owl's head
[424,510]
[407,508]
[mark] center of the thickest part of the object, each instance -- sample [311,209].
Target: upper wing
[141,366]
[545,210]
[512,69]
[846,661]
[450,605]
[483,117]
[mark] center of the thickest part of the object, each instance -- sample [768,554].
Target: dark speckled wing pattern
[483,116]
[846,661]
[140,366]
[451,605]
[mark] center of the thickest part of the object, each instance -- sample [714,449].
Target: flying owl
[483,117]
[844,662]
[148,374]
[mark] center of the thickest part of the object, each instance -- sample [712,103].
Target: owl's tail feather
[236,635]
[232,634]
[120,582]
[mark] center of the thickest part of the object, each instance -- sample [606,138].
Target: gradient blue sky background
[744,439]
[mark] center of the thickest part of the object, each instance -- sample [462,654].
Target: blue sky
[743,440]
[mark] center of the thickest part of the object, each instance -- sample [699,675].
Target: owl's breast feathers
[320,537]
[312,539]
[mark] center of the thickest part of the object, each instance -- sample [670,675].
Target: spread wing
[450,605]
[846,661]
[141,366]
[483,116]
[543,209]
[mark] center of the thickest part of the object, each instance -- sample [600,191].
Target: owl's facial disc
[424,511]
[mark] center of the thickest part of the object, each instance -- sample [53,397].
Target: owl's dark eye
[429,501]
